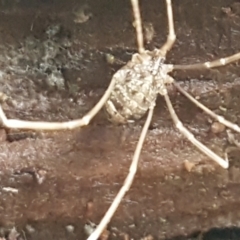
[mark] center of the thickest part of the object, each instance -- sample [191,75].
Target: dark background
[54,65]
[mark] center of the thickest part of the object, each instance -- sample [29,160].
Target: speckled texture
[58,173]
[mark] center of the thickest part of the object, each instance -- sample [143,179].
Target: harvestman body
[137,85]
[131,93]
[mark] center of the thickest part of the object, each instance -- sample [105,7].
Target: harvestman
[131,93]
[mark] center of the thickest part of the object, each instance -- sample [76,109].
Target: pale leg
[222,162]
[37,125]
[128,181]
[171,34]
[138,25]
[219,118]
[207,65]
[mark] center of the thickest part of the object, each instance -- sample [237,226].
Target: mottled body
[137,85]
[131,93]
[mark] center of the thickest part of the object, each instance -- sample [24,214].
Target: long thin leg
[207,65]
[128,181]
[219,118]
[138,25]
[21,124]
[222,162]
[171,35]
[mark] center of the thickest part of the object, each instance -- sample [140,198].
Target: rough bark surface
[58,174]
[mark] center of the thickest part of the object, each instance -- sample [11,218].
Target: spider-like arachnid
[133,92]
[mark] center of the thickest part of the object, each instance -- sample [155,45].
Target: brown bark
[58,174]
